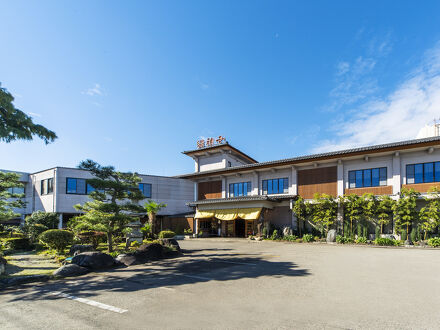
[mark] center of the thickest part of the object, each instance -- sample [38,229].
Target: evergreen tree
[324,210]
[385,211]
[353,209]
[16,125]
[115,201]
[430,213]
[300,209]
[405,209]
[8,199]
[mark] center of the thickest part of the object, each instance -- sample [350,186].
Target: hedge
[17,243]
[167,234]
[56,239]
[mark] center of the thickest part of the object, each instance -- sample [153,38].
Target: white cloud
[34,114]
[393,117]
[95,90]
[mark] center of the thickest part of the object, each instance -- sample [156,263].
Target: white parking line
[90,302]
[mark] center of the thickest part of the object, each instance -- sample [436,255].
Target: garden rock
[70,270]
[287,231]
[94,260]
[331,236]
[80,248]
[145,253]
[171,242]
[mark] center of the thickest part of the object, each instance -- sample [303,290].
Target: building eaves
[219,146]
[242,199]
[327,155]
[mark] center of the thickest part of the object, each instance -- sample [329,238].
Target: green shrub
[34,230]
[188,231]
[308,238]
[316,239]
[167,234]
[434,241]
[343,240]
[384,241]
[274,234]
[146,230]
[17,243]
[48,219]
[299,240]
[413,235]
[361,240]
[290,238]
[377,232]
[56,239]
[135,244]
[403,234]
[92,237]
[264,232]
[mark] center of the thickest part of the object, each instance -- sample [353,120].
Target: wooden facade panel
[209,190]
[382,190]
[422,187]
[318,180]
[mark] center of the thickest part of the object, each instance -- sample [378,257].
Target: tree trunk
[152,221]
[110,241]
[381,228]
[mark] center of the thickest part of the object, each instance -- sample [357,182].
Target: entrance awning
[252,213]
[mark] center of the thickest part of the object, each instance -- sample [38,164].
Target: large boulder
[70,270]
[94,260]
[331,236]
[79,248]
[145,253]
[171,242]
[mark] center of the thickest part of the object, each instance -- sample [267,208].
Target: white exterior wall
[278,174]
[216,161]
[373,162]
[415,158]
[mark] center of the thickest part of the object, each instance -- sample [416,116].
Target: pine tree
[115,202]
[16,125]
[8,199]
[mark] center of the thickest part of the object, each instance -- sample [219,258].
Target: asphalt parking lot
[236,284]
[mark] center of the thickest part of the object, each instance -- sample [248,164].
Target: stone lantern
[135,234]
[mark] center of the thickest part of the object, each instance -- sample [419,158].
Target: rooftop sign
[210,142]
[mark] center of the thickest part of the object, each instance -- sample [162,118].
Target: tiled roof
[333,154]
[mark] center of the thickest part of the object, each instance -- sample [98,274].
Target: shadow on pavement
[167,272]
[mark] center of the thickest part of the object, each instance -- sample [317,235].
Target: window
[145,188]
[229,164]
[76,186]
[46,186]
[240,189]
[275,186]
[423,173]
[372,177]
[16,190]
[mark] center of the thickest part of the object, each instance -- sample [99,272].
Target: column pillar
[293,189]
[60,221]
[196,191]
[341,188]
[396,173]
[255,184]
[224,186]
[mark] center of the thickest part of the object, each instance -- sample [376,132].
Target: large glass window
[275,186]
[372,177]
[240,189]
[46,186]
[76,186]
[425,172]
[16,190]
[145,188]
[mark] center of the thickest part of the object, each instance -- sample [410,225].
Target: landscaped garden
[366,219]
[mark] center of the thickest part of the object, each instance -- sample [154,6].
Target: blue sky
[134,83]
